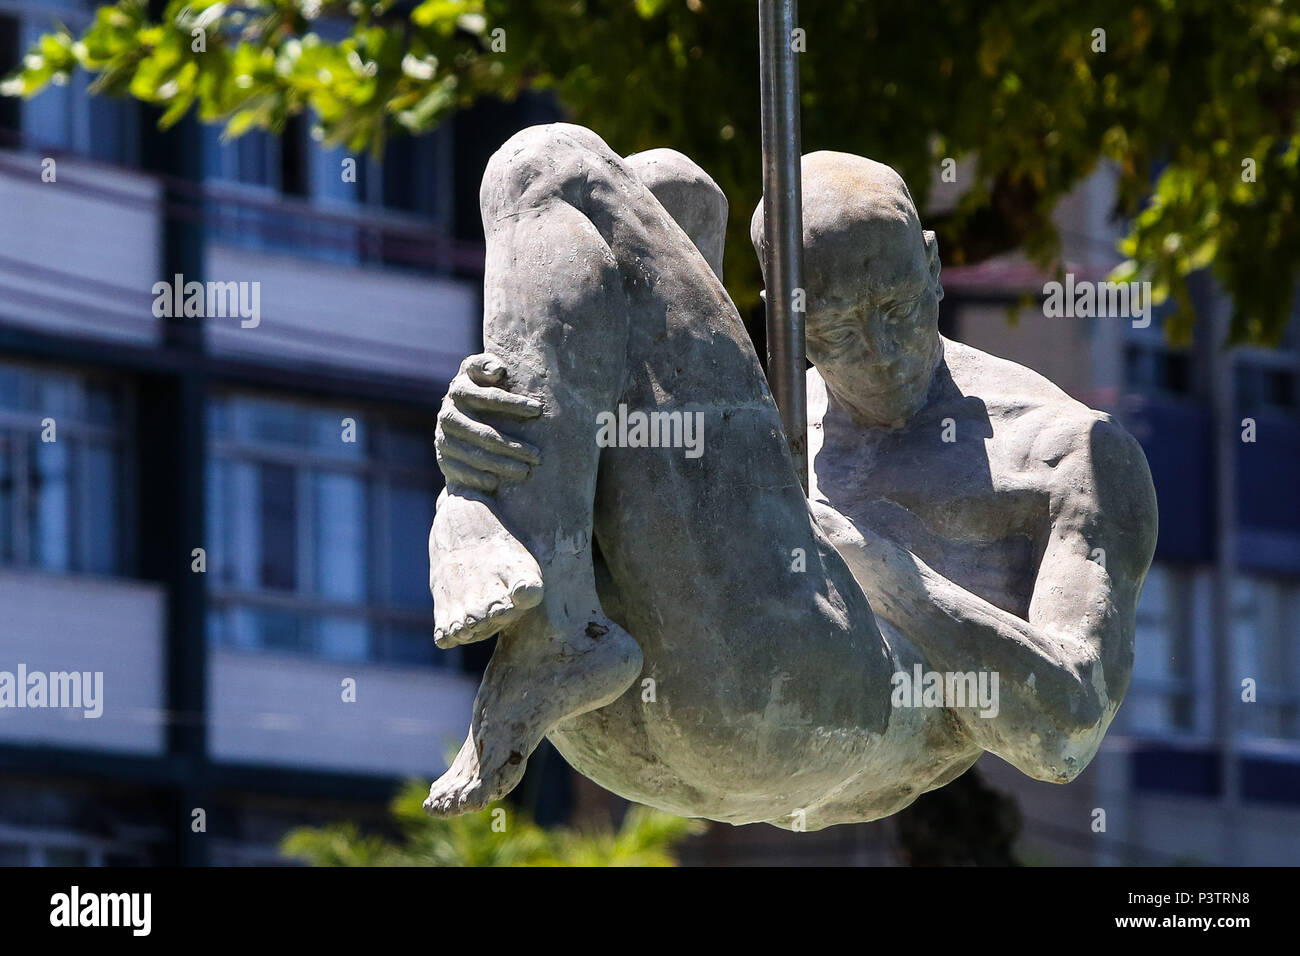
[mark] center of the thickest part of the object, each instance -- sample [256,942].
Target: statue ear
[932,254]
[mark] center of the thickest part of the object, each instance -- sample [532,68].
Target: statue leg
[556,311]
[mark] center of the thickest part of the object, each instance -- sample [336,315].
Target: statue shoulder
[1003,384]
[1053,428]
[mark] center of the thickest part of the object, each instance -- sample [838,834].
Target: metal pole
[783,223]
[1227,442]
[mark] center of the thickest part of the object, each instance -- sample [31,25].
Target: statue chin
[878,411]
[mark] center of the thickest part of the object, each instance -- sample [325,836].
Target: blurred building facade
[285,672]
[229,518]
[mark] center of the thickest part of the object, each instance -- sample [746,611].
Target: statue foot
[482,578]
[538,677]
[461,789]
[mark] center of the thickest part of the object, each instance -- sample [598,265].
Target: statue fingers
[484,369]
[457,473]
[467,395]
[499,466]
[456,424]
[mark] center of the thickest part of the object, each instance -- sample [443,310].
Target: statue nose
[880,343]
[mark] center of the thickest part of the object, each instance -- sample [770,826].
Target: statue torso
[975,509]
[965,485]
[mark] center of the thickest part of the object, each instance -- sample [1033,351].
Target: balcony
[78,256]
[341,286]
[345,316]
[293,712]
[62,623]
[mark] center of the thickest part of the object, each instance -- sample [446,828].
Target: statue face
[874,335]
[871,275]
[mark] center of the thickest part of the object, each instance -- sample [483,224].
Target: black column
[172,452]
[10,107]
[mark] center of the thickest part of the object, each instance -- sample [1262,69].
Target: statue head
[871,282]
[689,195]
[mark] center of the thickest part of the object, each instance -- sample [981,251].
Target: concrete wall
[1058,348]
[1142,828]
[376,320]
[290,711]
[69,623]
[78,255]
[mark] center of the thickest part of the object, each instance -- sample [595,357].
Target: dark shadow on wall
[966,823]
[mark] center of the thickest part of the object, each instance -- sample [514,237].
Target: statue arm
[1063,672]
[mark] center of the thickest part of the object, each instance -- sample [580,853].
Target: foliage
[645,838]
[1184,92]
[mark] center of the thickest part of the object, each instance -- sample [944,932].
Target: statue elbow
[1069,742]
[1073,723]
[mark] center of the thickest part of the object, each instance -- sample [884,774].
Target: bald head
[860,227]
[871,282]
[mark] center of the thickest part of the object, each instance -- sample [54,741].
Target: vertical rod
[1227,444]
[783,223]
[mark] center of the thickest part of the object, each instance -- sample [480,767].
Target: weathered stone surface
[691,632]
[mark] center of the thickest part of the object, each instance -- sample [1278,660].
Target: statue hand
[471,452]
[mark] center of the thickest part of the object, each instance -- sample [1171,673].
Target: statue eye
[901,310]
[838,338]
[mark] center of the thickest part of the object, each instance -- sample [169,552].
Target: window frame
[379,608]
[1180,612]
[75,430]
[1282,691]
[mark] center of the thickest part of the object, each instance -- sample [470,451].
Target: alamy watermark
[1074,299]
[208,300]
[637,429]
[133,911]
[72,690]
[922,688]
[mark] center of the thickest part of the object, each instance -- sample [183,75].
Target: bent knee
[540,163]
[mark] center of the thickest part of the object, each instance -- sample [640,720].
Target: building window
[319,545]
[67,117]
[1261,387]
[1158,369]
[290,193]
[248,172]
[63,500]
[24,846]
[1266,643]
[1161,698]
[1270,378]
